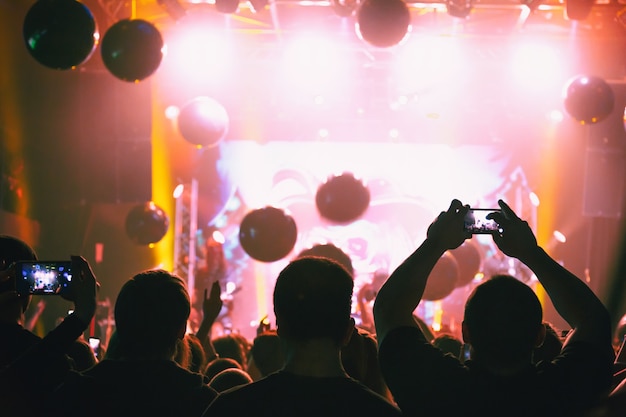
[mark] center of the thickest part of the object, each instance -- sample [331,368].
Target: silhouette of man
[502,324]
[312,304]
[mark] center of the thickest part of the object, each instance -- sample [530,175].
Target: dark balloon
[132,49]
[383,23]
[468,260]
[203,122]
[268,234]
[146,224]
[60,34]
[589,99]
[342,198]
[443,278]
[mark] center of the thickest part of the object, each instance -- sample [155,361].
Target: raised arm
[211,307]
[402,292]
[572,298]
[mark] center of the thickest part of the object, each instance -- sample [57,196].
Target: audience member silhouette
[551,346]
[217,365]
[197,358]
[360,355]
[231,346]
[312,305]
[81,355]
[266,355]
[28,381]
[151,313]
[449,344]
[502,324]
[229,378]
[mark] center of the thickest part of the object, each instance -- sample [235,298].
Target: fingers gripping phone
[43,277]
[476,221]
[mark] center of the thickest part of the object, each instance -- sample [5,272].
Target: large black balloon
[146,223]
[383,23]
[442,279]
[342,198]
[203,122]
[268,234]
[59,34]
[132,49]
[589,99]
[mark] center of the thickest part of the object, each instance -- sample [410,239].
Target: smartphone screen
[43,277]
[94,343]
[476,221]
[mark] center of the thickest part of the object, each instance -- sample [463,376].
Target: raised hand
[212,304]
[447,230]
[83,289]
[517,238]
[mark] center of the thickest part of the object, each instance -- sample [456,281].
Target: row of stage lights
[62,34]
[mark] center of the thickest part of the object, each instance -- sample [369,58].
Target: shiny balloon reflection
[60,34]
[203,122]
[342,198]
[383,23]
[146,223]
[268,234]
[132,49]
[589,99]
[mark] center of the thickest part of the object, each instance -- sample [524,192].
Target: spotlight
[459,8]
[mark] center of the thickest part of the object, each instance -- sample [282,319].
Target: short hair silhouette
[330,251]
[312,299]
[503,317]
[217,365]
[267,353]
[151,310]
[229,378]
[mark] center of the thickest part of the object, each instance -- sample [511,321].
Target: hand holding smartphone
[43,277]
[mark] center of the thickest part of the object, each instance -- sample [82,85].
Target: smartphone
[476,221]
[43,277]
[94,343]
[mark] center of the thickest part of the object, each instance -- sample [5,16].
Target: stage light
[559,236]
[178,191]
[534,199]
[459,8]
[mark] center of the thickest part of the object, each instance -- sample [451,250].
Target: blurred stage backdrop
[134,132]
